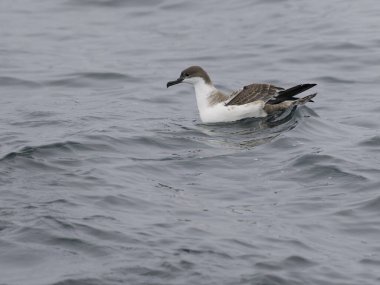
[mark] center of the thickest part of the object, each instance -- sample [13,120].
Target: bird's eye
[186,74]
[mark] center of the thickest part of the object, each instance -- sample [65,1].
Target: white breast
[219,112]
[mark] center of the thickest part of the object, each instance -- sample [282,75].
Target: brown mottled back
[254,92]
[217,97]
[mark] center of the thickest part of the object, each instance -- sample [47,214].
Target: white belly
[221,113]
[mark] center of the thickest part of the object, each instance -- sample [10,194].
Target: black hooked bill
[170,83]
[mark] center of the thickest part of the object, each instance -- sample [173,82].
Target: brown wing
[253,92]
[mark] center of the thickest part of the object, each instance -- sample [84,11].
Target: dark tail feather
[288,94]
[295,90]
[304,100]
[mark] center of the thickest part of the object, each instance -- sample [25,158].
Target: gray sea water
[107,177]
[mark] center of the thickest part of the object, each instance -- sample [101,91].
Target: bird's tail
[289,94]
[304,100]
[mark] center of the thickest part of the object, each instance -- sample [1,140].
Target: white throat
[202,92]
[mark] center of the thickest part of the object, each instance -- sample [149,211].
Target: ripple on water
[372,143]
[16,82]
[80,281]
[291,262]
[182,142]
[313,167]
[333,80]
[90,79]
[62,237]
[269,279]
[45,150]
[122,202]
[55,150]
[113,3]
[57,165]
[372,205]
[101,187]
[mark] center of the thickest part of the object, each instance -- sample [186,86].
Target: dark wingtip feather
[290,92]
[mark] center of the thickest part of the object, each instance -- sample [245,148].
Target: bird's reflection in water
[249,133]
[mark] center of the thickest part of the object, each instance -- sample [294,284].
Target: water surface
[107,177]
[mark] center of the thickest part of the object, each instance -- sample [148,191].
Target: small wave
[333,79]
[341,46]
[370,261]
[296,261]
[373,142]
[122,201]
[40,114]
[329,46]
[86,79]
[288,263]
[205,252]
[313,167]
[13,81]
[31,151]
[270,279]
[271,1]
[63,236]
[367,123]
[177,6]
[114,3]
[372,204]
[103,75]
[31,121]
[80,281]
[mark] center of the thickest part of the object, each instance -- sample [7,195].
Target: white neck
[202,93]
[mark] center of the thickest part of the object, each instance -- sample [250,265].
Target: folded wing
[268,93]
[253,92]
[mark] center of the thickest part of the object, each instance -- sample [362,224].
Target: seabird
[251,101]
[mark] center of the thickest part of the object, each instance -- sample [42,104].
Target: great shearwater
[251,101]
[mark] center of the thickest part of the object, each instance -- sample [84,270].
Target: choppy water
[107,177]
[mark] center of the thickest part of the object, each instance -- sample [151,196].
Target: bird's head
[192,75]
